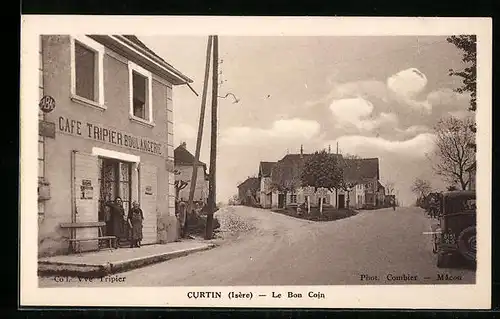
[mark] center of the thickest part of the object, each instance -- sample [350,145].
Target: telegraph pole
[200,129]
[213,141]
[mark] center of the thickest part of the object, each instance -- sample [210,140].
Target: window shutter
[86,192]
[148,196]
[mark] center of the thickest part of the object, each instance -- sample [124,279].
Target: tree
[285,178]
[421,188]
[389,187]
[179,185]
[466,43]
[322,170]
[451,188]
[453,152]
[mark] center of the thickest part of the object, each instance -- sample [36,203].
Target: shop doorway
[114,181]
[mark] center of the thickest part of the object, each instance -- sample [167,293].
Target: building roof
[183,157]
[131,47]
[361,169]
[250,183]
[134,39]
[356,170]
[266,168]
[290,168]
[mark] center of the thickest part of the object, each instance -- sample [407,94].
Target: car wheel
[467,243]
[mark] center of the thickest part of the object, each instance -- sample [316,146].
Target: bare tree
[179,185]
[389,187]
[453,152]
[421,187]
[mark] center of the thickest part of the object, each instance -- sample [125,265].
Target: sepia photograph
[216,160]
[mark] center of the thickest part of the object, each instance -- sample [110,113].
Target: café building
[105,131]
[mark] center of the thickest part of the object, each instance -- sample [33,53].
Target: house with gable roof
[265,191]
[183,164]
[248,191]
[362,174]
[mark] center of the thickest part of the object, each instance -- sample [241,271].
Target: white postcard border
[475,296]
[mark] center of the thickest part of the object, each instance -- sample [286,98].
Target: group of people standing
[118,224]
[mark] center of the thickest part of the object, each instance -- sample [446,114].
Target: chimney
[301,150]
[329,149]
[183,144]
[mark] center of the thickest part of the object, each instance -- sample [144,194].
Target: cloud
[406,85]
[355,112]
[445,96]
[417,146]
[365,89]
[286,129]
[183,132]
[414,129]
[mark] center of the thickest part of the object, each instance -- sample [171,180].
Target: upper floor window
[87,76]
[141,106]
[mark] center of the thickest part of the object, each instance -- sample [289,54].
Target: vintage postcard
[256,162]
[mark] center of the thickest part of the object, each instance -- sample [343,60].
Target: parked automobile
[455,235]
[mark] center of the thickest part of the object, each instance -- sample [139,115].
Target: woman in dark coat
[135,218]
[116,219]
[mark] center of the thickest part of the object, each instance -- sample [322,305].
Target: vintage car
[455,235]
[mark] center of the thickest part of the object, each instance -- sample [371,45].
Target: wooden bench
[75,243]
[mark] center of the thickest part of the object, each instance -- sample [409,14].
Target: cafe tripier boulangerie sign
[108,135]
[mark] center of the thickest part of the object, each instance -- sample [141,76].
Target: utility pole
[213,142]
[194,175]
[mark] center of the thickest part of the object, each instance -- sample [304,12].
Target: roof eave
[128,48]
[183,78]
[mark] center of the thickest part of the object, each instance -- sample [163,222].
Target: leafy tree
[453,152]
[466,43]
[322,171]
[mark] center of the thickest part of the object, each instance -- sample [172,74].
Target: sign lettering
[107,135]
[47,104]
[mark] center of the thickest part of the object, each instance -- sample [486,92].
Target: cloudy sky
[375,96]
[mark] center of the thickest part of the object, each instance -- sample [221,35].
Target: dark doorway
[281,200]
[341,202]
[114,181]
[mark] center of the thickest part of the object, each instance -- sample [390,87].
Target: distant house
[183,163]
[472,177]
[362,174]
[265,191]
[248,192]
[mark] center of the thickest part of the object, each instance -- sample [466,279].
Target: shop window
[140,81]
[87,71]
